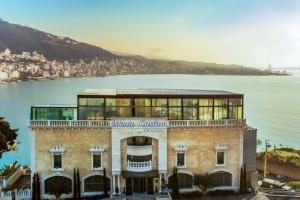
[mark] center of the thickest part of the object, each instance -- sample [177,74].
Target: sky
[246,32]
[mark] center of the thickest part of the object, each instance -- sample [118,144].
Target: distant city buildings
[35,66]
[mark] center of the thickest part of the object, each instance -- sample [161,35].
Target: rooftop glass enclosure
[98,108]
[53,113]
[172,104]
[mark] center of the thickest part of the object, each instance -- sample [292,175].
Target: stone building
[139,136]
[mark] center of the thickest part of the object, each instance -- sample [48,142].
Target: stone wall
[284,169]
[77,144]
[201,153]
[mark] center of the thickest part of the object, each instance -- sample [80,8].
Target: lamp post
[266,156]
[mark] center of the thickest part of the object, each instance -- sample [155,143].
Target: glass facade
[96,108]
[53,113]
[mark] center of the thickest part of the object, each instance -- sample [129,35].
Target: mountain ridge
[19,38]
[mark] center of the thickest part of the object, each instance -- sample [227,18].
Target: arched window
[96,183]
[58,185]
[219,179]
[184,180]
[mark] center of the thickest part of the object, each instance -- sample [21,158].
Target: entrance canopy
[149,174]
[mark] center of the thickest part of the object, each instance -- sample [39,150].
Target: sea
[272,103]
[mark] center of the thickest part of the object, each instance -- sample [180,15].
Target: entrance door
[128,186]
[150,185]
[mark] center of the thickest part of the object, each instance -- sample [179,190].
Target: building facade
[139,136]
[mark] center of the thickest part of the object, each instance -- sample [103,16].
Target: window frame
[179,150]
[57,150]
[96,150]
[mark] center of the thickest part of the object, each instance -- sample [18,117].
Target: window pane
[220,157]
[91,101]
[90,113]
[96,160]
[143,111]
[180,159]
[118,102]
[190,113]
[175,112]
[124,111]
[220,113]
[57,164]
[142,102]
[159,112]
[205,102]
[159,102]
[205,113]
[174,102]
[190,102]
[235,112]
[221,102]
[235,102]
[95,183]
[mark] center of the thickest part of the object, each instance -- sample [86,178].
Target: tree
[243,180]
[75,185]
[175,187]
[34,187]
[78,185]
[8,136]
[105,182]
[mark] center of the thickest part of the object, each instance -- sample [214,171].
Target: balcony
[139,166]
[108,123]
[139,150]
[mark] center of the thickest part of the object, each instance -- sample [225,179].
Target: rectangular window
[205,102]
[235,112]
[118,102]
[190,102]
[96,161]
[91,101]
[235,102]
[221,102]
[159,102]
[91,113]
[175,113]
[57,161]
[159,112]
[190,113]
[174,102]
[180,159]
[142,102]
[143,111]
[220,113]
[205,113]
[220,157]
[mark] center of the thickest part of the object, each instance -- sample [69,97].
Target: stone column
[119,186]
[114,184]
[159,183]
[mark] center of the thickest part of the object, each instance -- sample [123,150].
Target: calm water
[272,104]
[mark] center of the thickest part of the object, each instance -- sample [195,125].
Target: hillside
[19,38]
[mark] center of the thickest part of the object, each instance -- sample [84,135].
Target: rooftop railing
[108,123]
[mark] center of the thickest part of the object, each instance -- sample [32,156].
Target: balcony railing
[139,150]
[220,122]
[108,124]
[139,166]
[70,123]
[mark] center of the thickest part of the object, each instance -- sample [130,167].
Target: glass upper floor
[187,105]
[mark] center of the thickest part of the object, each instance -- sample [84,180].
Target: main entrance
[139,185]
